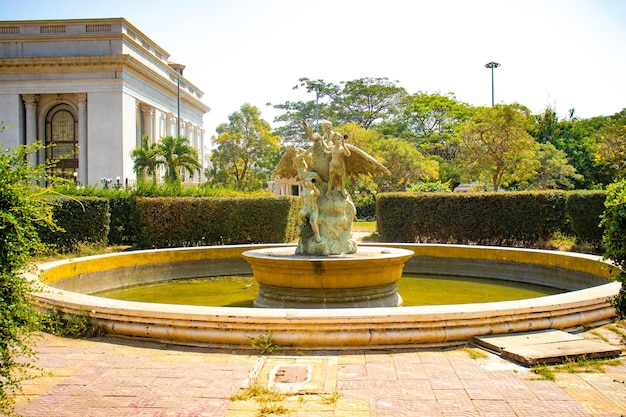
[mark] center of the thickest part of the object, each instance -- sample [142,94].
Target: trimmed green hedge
[83,219]
[584,210]
[195,221]
[511,218]
[123,229]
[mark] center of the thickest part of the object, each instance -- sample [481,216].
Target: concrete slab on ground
[542,347]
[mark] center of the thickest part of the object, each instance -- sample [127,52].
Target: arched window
[62,140]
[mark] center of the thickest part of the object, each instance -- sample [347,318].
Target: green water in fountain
[240,291]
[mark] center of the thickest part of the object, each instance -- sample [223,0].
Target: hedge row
[172,221]
[519,219]
[84,219]
[514,219]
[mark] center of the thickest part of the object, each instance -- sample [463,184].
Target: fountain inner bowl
[367,278]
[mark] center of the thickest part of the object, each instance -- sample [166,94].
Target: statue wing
[287,165]
[361,163]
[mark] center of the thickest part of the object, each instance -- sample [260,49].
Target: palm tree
[146,159]
[177,154]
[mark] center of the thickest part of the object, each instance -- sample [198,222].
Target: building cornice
[121,61]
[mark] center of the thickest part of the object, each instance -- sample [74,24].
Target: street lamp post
[179,73]
[492,65]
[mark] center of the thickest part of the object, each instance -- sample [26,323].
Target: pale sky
[559,53]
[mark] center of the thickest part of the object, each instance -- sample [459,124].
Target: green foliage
[496,147]
[122,224]
[264,343]
[567,153]
[76,326]
[611,140]
[544,372]
[471,218]
[246,151]
[123,216]
[365,204]
[171,222]
[579,140]
[614,238]
[146,160]
[177,155]
[431,122]
[430,187]
[23,208]
[584,211]
[402,159]
[554,170]
[81,220]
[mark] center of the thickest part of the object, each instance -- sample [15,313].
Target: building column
[171,124]
[148,117]
[188,132]
[30,102]
[82,137]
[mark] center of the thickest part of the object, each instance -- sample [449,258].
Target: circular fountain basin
[367,278]
[67,284]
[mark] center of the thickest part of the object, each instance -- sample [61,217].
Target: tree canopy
[505,146]
[364,101]
[496,146]
[247,151]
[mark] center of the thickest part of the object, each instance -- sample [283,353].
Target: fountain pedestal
[367,278]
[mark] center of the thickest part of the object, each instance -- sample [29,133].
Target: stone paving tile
[112,378]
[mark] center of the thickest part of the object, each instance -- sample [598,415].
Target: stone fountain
[327,269]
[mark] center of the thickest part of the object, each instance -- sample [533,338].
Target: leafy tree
[406,164]
[546,128]
[364,101]
[496,146]
[146,160]
[431,121]
[176,155]
[611,143]
[23,208]
[554,171]
[246,151]
[578,139]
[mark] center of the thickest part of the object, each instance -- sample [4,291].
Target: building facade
[90,89]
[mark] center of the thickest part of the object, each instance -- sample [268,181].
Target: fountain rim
[452,322]
[468,307]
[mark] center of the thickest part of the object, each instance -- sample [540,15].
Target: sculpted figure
[309,211]
[337,169]
[326,220]
[318,151]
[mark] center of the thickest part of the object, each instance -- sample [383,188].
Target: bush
[614,238]
[481,218]
[584,212]
[123,224]
[70,325]
[193,221]
[23,208]
[365,204]
[81,219]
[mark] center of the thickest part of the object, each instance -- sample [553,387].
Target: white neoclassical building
[92,88]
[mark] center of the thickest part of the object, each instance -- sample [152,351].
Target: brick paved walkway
[113,377]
